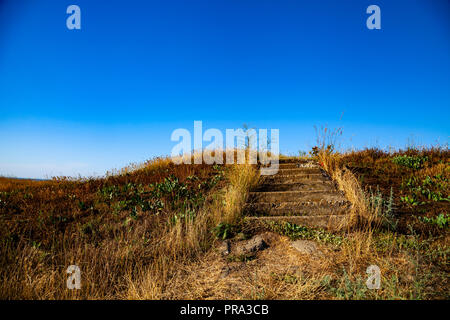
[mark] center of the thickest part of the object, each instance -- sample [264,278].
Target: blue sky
[90,100]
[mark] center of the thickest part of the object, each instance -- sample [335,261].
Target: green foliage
[346,288]
[442,220]
[412,162]
[183,198]
[223,230]
[383,207]
[427,190]
[294,232]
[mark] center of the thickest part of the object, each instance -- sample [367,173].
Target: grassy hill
[153,232]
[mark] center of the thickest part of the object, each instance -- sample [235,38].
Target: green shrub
[442,220]
[412,162]
[223,230]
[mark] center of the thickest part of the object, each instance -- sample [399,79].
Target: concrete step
[298,186]
[297,208]
[289,171]
[294,196]
[294,160]
[293,178]
[325,221]
[294,165]
[289,165]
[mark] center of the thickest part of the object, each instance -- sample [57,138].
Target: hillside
[165,231]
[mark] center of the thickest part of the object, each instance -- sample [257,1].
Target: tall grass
[362,211]
[47,226]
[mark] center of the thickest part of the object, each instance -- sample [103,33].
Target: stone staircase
[301,193]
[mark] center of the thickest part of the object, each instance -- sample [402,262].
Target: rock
[305,247]
[253,245]
[224,248]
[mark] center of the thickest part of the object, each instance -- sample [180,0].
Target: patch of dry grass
[128,232]
[192,238]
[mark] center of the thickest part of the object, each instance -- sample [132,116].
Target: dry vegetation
[399,219]
[128,233]
[152,232]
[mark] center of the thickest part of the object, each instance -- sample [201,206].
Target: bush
[412,162]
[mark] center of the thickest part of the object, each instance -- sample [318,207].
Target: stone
[224,248]
[253,245]
[305,246]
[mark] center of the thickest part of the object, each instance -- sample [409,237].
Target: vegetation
[128,232]
[150,231]
[404,219]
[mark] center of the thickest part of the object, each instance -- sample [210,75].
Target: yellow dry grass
[189,239]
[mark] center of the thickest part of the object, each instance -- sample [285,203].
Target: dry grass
[361,212]
[127,253]
[192,238]
[280,272]
[169,253]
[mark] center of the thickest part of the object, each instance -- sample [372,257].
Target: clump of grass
[412,162]
[442,220]
[295,232]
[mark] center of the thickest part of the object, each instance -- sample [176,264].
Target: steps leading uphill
[301,193]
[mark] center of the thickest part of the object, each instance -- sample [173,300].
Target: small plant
[412,162]
[429,189]
[302,154]
[294,232]
[326,140]
[383,208]
[223,230]
[442,220]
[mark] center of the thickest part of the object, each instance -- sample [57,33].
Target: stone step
[294,196]
[293,178]
[290,171]
[297,208]
[294,165]
[289,165]
[325,221]
[297,186]
[294,160]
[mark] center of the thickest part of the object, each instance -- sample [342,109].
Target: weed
[412,162]
[223,230]
[442,220]
[294,232]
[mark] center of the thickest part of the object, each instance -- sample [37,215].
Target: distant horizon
[84,102]
[113,170]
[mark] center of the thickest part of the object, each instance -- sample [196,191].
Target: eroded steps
[300,193]
[296,208]
[296,186]
[324,221]
[294,196]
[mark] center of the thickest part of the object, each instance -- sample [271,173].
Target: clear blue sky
[86,101]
